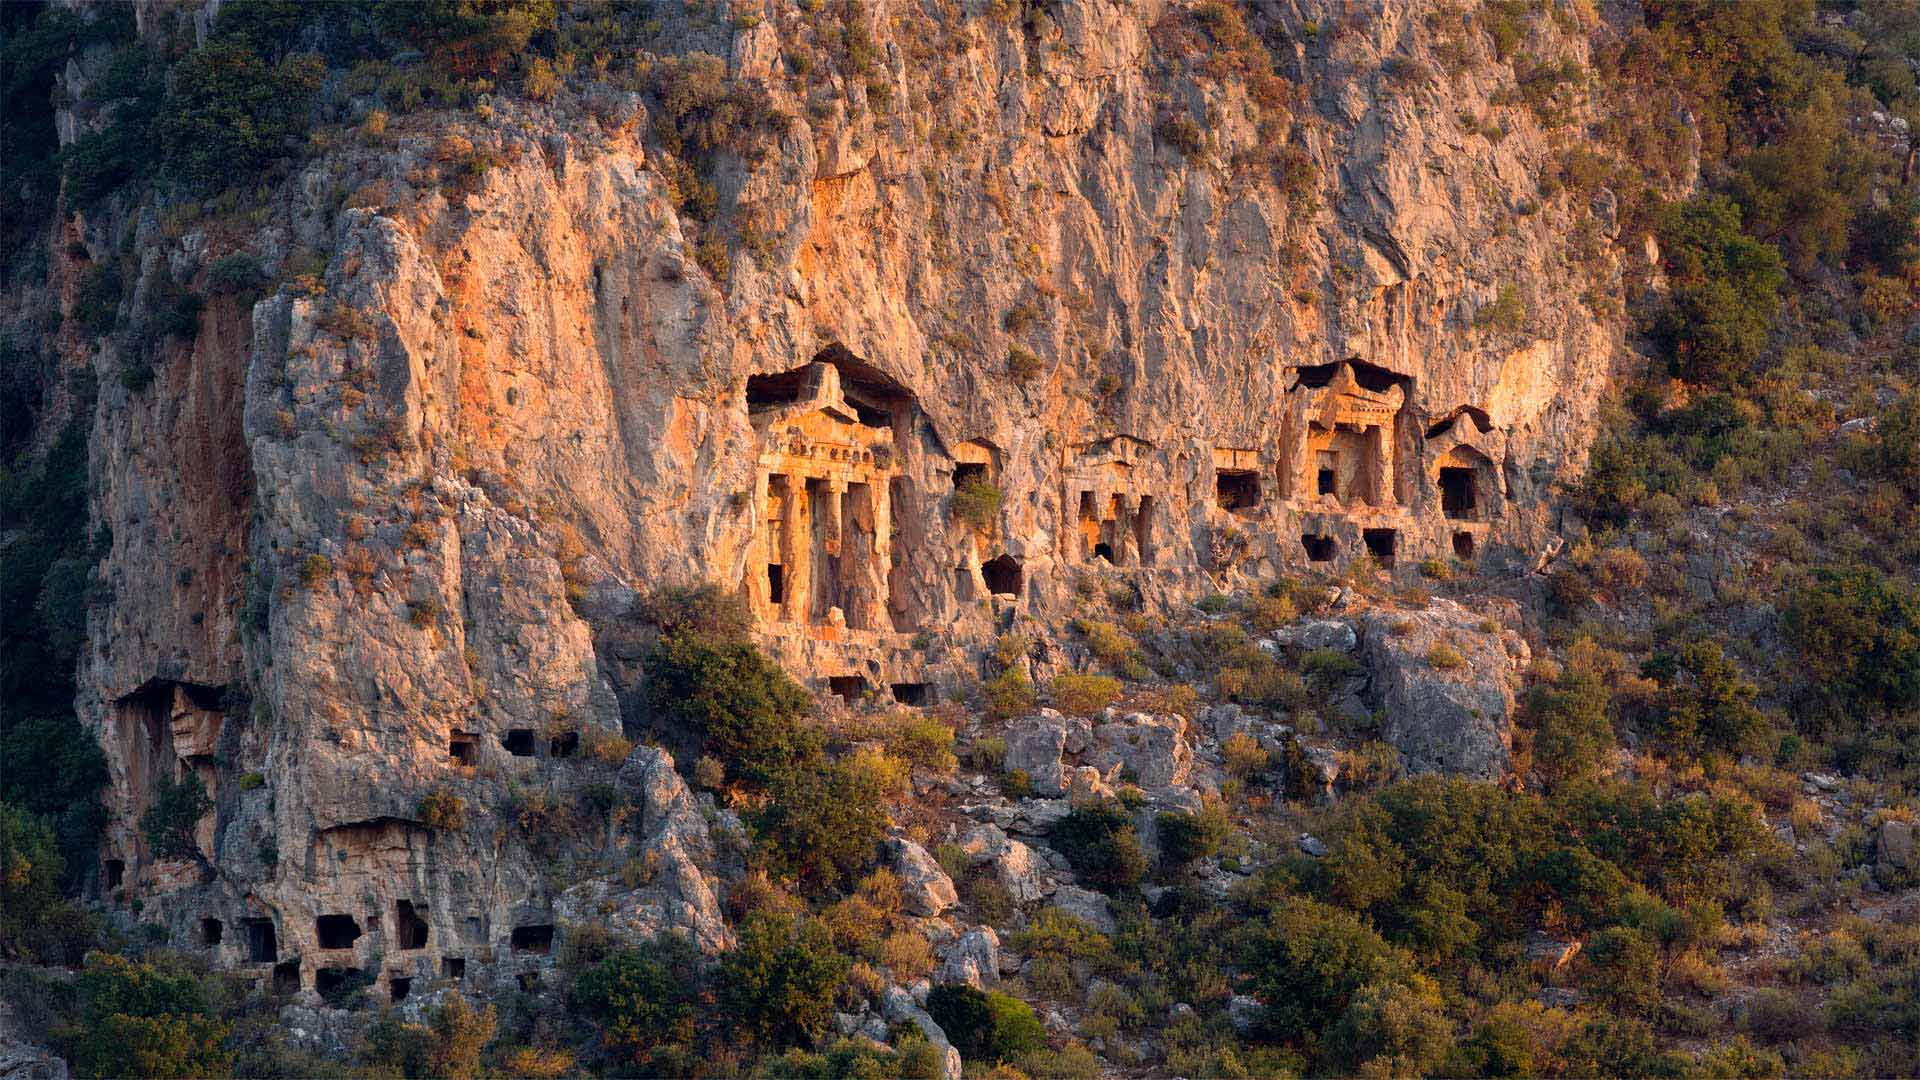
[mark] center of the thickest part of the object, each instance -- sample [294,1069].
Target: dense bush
[1083,695]
[1099,840]
[228,113]
[1188,838]
[778,982]
[985,1026]
[36,924]
[1856,636]
[1306,960]
[742,707]
[976,504]
[824,821]
[447,1047]
[471,36]
[1725,294]
[1572,734]
[1708,702]
[169,822]
[150,1019]
[1010,694]
[642,1000]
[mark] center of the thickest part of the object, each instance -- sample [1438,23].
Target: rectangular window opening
[1380,544]
[536,939]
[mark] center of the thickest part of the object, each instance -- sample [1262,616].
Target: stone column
[797,550]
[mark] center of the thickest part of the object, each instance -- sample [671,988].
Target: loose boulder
[1441,679]
[925,889]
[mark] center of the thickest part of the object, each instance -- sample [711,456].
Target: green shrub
[1445,657]
[985,1026]
[642,999]
[778,982]
[1083,695]
[1188,838]
[1183,135]
[1622,968]
[1016,784]
[228,113]
[1100,842]
[97,304]
[470,36]
[448,1045]
[1507,314]
[442,810]
[315,570]
[238,274]
[1856,636]
[1010,694]
[1022,365]
[1572,735]
[1725,292]
[1306,961]
[824,822]
[704,610]
[146,1019]
[742,707]
[1396,1026]
[36,924]
[169,822]
[976,504]
[1708,703]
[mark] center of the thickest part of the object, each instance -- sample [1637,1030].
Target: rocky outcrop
[925,889]
[1896,862]
[1034,746]
[1441,678]
[1011,861]
[1152,751]
[674,845]
[972,958]
[375,537]
[1088,906]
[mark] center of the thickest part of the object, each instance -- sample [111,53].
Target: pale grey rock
[1318,634]
[1244,1012]
[1152,749]
[925,888]
[1087,785]
[900,1006]
[1894,858]
[1010,860]
[1454,720]
[972,958]
[1312,846]
[1034,746]
[1036,816]
[1090,907]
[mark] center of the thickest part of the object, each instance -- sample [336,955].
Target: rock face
[1034,746]
[1441,680]
[375,537]
[1895,860]
[972,958]
[1151,750]
[1013,862]
[926,889]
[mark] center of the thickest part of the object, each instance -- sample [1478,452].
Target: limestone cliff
[377,539]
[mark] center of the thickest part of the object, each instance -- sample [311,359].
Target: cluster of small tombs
[843,462]
[851,548]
